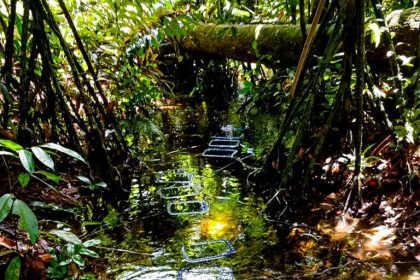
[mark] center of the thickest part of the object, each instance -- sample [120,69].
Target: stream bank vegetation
[84,91]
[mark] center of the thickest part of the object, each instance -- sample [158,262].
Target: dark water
[231,240]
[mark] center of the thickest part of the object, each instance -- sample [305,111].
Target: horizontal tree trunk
[283,43]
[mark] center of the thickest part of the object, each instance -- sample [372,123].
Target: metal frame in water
[195,190]
[210,273]
[203,207]
[224,143]
[229,251]
[177,180]
[219,153]
[218,137]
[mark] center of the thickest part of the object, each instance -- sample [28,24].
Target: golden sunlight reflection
[345,226]
[219,225]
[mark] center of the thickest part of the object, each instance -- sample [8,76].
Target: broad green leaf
[67,236]
[65,262]
[6,202]
[89,253]
[101,185]
[84,180]
[10,145]
[27,160]
[71,248]
[43,157]
[5,92]
[5,153]
[27,219]
[50,176]
[13,269]
[78,260]
[63,150]
[91,242]
[24,179]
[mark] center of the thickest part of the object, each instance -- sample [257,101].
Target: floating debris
[219,153]
[207,251]
[210,273]
[174,191]
[224,143]
[192,207]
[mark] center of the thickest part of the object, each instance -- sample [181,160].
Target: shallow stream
[211,228]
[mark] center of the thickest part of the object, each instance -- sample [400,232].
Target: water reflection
[234,215]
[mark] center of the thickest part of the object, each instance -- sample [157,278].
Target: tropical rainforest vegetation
[325,94]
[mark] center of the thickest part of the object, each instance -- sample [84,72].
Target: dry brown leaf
[46,257]
[7,242]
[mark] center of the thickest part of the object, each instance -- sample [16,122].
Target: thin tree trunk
[302,18]
[118,138]
[46,55]
[23,95]
[8,60]
[360,85]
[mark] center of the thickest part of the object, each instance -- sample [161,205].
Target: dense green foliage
[92,76]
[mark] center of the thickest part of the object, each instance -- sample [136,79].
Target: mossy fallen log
[283,43]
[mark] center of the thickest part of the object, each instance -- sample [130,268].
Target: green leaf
[91,242]
[27,219]
[5,153]
[5,92]
[6,202]
[89,253]
[78,260]
[50,176]
[65,262]
[101,185]
[7,252]
[63,150]
[27,160]
[13,269]
[84,180]
[43,157]
[254,45]
[67,236]
[24,179]
[10,145]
